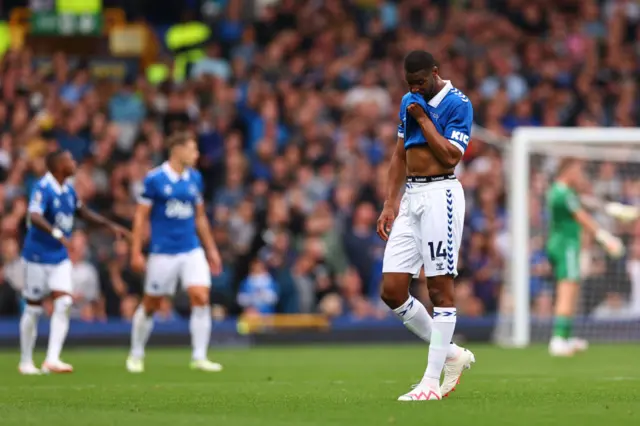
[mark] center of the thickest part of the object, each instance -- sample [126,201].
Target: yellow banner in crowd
[249,324]
[77,7]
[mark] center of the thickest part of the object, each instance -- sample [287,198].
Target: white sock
[141,326]
[200,327]
[416,318]
[59,327]
[29,332]
[444,324]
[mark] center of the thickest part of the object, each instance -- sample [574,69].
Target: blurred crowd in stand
[296,112]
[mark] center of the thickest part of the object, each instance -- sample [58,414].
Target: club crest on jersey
[192,189]
[167,189]
[56,203]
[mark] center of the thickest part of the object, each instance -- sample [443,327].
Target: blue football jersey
[57,204]
[450,111]
[173,199]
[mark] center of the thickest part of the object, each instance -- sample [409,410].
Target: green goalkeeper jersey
[563,243]
[562,203]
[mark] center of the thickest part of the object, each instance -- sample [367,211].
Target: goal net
[609,304]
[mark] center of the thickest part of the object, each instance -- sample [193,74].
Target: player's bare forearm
[140,222]
[40,222]
[204,230]
[93,217]
[99,220]
[587,222]
[446,153]
[397,173]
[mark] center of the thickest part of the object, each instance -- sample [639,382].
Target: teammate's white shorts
[164,271]
[428,230]
[40,279]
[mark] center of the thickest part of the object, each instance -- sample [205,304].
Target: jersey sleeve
[200,186]
[571,201]
[38,200]
[402,115]
[149,192]
[458,128]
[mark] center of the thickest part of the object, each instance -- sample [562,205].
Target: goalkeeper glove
[622,212]
[612,244]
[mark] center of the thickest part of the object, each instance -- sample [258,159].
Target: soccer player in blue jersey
[52,208]
[171,203]
[424,227]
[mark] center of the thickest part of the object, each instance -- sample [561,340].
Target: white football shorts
[164,271]
[40,279]
[428,230]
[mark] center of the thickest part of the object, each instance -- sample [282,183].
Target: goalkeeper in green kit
[567,219]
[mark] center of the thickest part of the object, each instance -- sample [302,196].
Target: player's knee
[151,304]
[199,296]
[62,304]
[394,292]
[441,292]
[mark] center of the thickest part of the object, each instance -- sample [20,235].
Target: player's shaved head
[53,158]
[60,163]
[419,60]
[421,73]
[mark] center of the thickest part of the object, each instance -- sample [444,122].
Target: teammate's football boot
[422,392]
[29,369]
[56,367]
[453,369]
[135,365]
[206,365]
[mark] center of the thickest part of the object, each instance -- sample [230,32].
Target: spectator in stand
[88,304]
[121,286]
[258,293]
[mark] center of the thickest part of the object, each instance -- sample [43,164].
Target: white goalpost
[546,146]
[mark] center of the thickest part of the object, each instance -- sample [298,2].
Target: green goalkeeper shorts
[564,257]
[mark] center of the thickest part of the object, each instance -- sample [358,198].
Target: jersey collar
[53,182]
[435,101]
[172,174]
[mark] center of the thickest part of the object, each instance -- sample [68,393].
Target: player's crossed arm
[447,154]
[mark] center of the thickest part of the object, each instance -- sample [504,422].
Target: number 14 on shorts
[436,250]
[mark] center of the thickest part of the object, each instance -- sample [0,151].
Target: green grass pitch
[306,386]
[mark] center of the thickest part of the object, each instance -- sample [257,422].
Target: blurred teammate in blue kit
[52,209]
[182,249]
